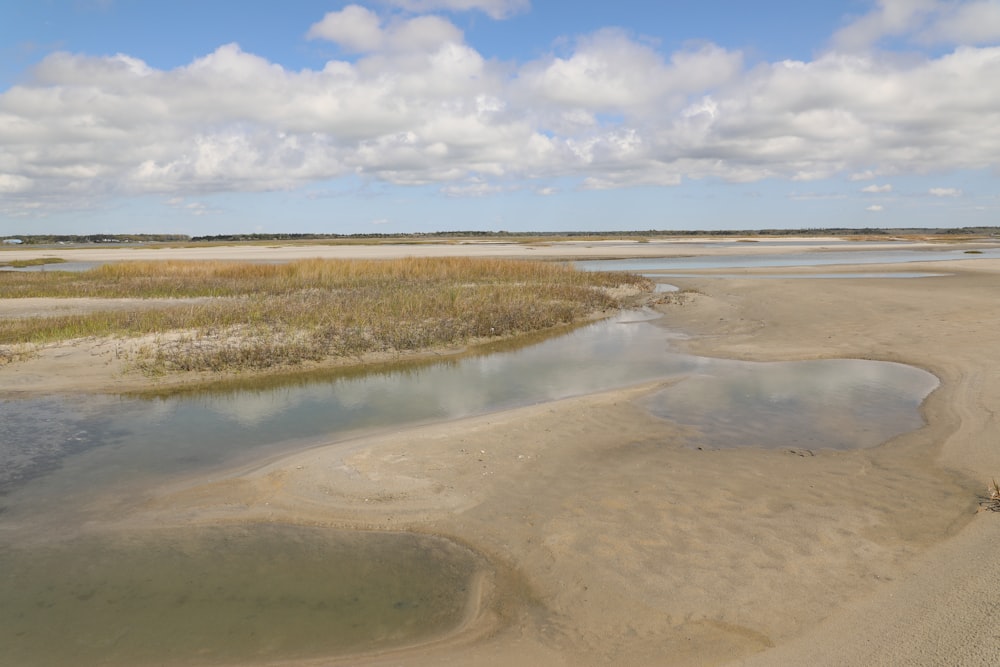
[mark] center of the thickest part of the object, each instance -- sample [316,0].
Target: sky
[401,116]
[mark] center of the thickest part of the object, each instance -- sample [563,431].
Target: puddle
[827,404]
[227,595]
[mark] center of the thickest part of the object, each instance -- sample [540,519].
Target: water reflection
[75,444]
[833,404]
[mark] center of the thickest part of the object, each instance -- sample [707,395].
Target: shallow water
[59,266]
[831,258]
[65,460]
[82,442]
[229,595]
[826,404]
[800,276]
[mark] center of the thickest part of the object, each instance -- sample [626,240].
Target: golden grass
[267,315]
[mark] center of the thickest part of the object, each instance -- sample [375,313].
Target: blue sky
[217,117]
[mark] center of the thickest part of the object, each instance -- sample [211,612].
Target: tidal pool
[231,595]
[825,404]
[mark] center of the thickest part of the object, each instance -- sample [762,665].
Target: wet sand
[615,542]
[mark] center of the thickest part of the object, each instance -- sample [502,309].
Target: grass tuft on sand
[992,499]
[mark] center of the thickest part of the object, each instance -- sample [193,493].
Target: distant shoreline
[84,240]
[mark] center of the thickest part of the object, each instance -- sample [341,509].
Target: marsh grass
[262,316]
[25,263]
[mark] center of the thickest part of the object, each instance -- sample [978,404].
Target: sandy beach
[611,540]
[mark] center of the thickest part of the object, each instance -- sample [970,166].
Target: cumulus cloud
[888,18]
[610,72]
[354,27]
[922,21]
[418,105]
[359,30]
[498,9]
[874,208]
[965,23]
[945,192]
[11,183]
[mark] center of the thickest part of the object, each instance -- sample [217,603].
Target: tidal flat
[608,538]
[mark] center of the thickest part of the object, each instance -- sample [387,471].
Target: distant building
[12,241]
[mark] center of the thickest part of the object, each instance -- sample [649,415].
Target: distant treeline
[48,239]
[44,239]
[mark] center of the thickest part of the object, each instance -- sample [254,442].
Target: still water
[830,258]
[65,459]
[77,443]
[225,595]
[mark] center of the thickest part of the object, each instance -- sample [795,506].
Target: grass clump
[992,500]
[261,316]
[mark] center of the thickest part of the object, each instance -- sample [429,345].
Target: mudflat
[613,541]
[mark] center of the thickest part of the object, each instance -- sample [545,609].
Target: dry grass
[267,315]
[992,500]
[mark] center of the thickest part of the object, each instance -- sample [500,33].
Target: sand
[615,542]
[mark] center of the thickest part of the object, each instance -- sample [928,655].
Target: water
[60,452]
[267,592]
[67,448]
[232,595]
[826,404]
[643,264]
[106,436]
[800,276]
[57,266]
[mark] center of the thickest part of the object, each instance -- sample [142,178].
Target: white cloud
[359,30]
[11,183]
[420,106]
[945,192]
[424,33]
[354,27]
[610,72]
[498,9]
[874,208]
[889,18]
[965,23]
[922,21]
